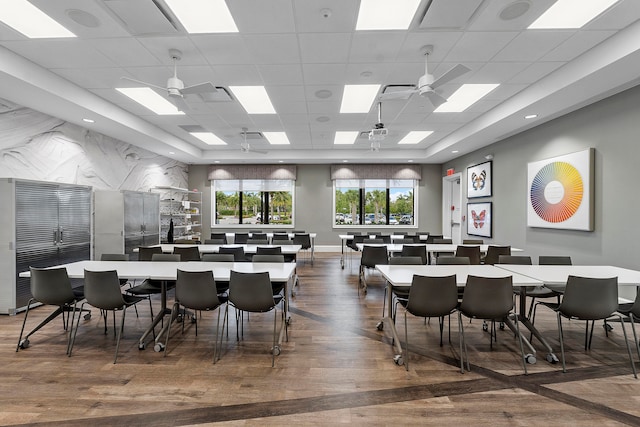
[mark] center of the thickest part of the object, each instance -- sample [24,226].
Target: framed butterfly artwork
[479,179]
[479,219]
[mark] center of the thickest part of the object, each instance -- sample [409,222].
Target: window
[374,202]
[252,201]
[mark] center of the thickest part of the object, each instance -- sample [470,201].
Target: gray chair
[494,252]
[252,292]
[487,298]
[114,257]
[632,311]
[419,250]
[471,252]
[187,253]
[454,260]
[195,290]
[590,299]
[431,237]
[277,287]
[237,251]
[404,240]
[400,292]
[357,238]
[373,240]
[441,241]
[52,287]
[304,240]
[554,260]
[280,236]
[217,257]
[220,236]
[145,253]
[215,241]
[240,238]
[430,297]
[102,290]
[371,255]
[253,241]
[268,250]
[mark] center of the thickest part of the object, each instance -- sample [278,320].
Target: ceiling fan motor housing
[424,83]
[174,85]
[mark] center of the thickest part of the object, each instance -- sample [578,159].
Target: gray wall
[612,127]
[314,201]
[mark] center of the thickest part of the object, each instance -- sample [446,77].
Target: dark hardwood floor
[337,368]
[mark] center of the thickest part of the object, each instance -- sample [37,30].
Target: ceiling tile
[324,47]
[482,47]
[273,48]
[273,16]
[311,19]
[531,45]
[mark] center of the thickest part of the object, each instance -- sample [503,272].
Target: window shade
[260,172]
[412,172]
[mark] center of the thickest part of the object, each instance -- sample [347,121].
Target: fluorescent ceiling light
[358,98]
[386,15]
[345,137]
[203,16]
[571,13]
[464,97]
[208,138]
[254,99]
[530,116]
[88,120]
[276,138]
[27,19]
[150,99]
[414,137]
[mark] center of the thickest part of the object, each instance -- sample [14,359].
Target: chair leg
[215,345]
[635,337]
[49,318]
[174,310]
[273,349]
[564,366]
[406,342]
[124,311]
[24,322]
[524,360]
[626,340]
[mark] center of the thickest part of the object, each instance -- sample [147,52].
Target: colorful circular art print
[556,192]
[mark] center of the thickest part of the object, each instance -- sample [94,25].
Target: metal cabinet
[45,224]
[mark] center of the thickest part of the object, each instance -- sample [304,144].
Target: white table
[345,238]
[402,275]
[431,247]
[312,237]
[164,271]
[248,249]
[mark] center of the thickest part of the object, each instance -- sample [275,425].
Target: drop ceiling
[304,53]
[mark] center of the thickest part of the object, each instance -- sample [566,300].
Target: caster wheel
[87,316]
[485,327]
[530,359]
[552,358]
[501,326]
[289,321]
[141,346]
[380,326]
[607,327]
[398,360]
[293,294]
[276,351]
[179,318]
[24,344]
[193,319]
[158,347]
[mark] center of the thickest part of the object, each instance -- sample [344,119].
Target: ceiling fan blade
[144,83]
[452,74]
[199,88]
[400,94]
[180,103]
[435,99]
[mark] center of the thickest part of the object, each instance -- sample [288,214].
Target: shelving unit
[184,207]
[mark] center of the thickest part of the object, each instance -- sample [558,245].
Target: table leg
[388,325]
[163,312]
[342,254]
[521,317]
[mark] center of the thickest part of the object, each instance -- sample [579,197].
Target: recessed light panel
[27,19]
[415,137]
[345,137]
[208,138]
[150,99]
[386,14]
[203,16]
[571,13]
[254,99]
[276,138]
[358,98]
[464,97]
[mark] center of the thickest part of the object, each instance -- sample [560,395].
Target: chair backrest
[267,258]
[589,298]
[471,252]
[472,242]
[420,250]
[51,286]
[298,232]
[146,253]
[441,241]
[280,236]
[282,242]
[494,252]
[237,251]
[251,291]
[217,257]
[102,289]
[374,240]
[166,258]
[432,237]
[257,242]
[302,239]
[259,235]
[372,255]
[215,241]
[187,253]
[487,297]
[514,259]
[404,240]
[114,257]
[453,260]
[554,260]
[240,238]
[220,236]
[386,238]
[432,296]
[269,250]
[197,290]
[405,260]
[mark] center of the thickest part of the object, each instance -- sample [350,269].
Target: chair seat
[132,299]
[149,287]
[541,292]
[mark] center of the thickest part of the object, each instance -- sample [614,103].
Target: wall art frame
[480,219]
[480,180]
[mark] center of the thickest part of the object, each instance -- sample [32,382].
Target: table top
[169,270]
[248,249]
[558,274]
[402,275]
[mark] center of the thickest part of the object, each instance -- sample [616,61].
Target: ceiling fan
[245,147]
[427,84]
[379,132]
[175,88]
